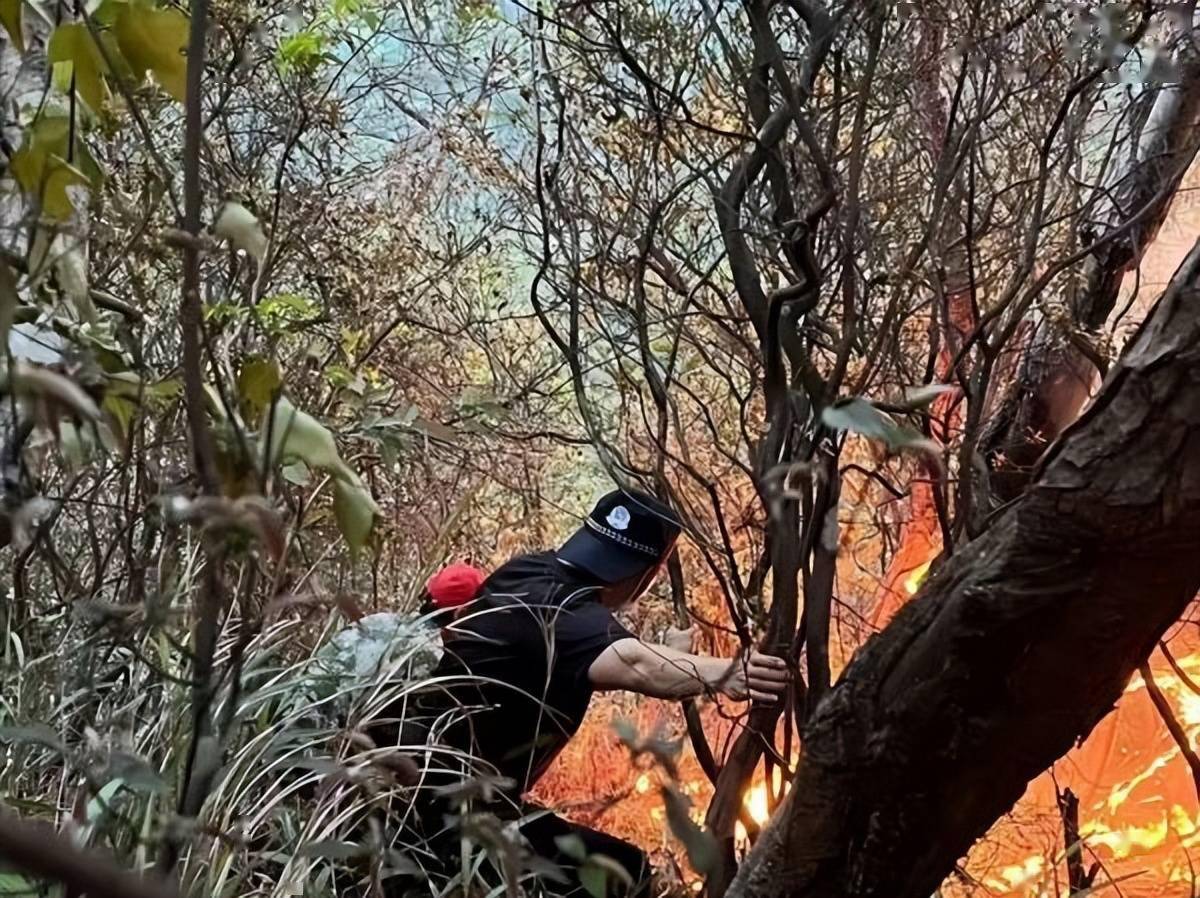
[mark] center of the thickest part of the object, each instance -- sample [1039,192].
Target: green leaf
[257,384]
[338,375]
[15,884]
[121,411]
[286,310]
[101,806]
[72,43]
[700,846]
[73,445]
[224,312]
[296,434]
[40,165]
[471,12]
[164,391]
[153,41]
[297,473]
[302,51]
[56,201]
[612,867]
[859,416]
[355,512]
[923,396]
[594,881]
[10,18]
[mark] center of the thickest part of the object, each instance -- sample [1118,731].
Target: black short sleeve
[582,631]
[520,660]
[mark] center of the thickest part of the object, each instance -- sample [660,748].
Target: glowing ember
[1019,876]
[642,786]
[757,805]
[914,580]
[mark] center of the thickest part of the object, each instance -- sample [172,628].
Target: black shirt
[526,645]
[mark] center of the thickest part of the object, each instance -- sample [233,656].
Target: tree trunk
[939,722]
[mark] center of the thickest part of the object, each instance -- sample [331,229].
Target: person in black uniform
[522,663]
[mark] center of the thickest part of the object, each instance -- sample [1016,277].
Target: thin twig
[1172,723]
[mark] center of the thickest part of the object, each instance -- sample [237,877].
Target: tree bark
[939,723]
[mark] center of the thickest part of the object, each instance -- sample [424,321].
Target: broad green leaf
[154,41]
[355,511]
[297,473]
[10,18]
[594,881]
[284,311]
[859,416]
[614,869]
[224,312]
[72,44]
[296,434]
[338,375]
[302,51]
[40,166]
[60,176]
[101,806]
[121,411]
[258,382]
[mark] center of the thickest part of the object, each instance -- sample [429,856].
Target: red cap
[454,585]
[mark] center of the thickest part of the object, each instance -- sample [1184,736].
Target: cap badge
[618,518]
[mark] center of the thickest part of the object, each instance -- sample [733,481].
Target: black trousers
[544,832]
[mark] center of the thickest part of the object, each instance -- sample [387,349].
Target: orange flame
[1138,806]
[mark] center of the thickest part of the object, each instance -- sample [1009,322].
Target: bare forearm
[659,671]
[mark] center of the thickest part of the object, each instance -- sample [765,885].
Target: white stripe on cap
[623,540]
